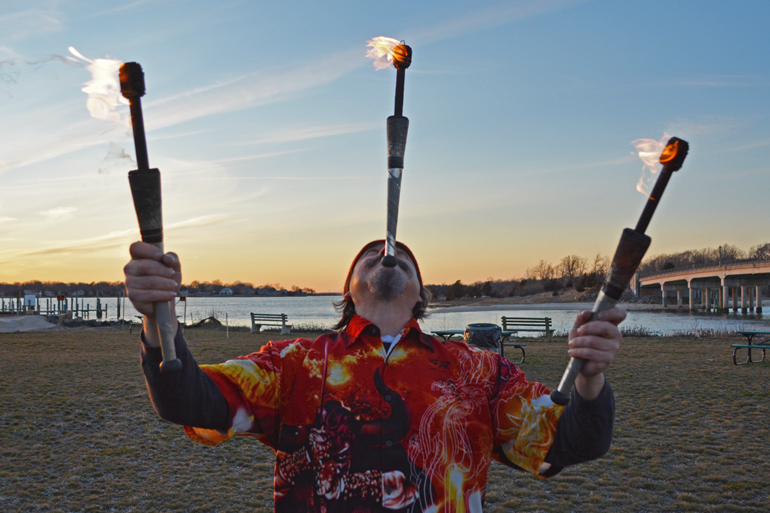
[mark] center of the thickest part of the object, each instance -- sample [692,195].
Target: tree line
[579,273]
[117,288]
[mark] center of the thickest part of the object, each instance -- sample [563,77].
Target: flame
[669,152]
[651,154]
[103,89]
[382,51]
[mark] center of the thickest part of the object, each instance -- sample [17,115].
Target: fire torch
[628,255]
[398,126]
[145,189]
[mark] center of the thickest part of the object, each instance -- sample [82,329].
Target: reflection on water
[319,310]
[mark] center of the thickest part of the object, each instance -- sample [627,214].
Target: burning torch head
[132,80]
[402,56]
[673,155]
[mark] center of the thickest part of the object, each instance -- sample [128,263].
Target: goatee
[386,283]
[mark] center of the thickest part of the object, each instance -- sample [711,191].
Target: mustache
[401,263]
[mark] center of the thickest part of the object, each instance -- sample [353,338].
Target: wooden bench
[448,334]
[258,320]
[750,335]
[537,324]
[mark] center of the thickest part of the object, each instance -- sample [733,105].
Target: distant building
[226,291]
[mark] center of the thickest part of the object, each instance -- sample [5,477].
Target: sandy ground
[568,300]
[20,323]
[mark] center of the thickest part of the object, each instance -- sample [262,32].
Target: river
[319,311]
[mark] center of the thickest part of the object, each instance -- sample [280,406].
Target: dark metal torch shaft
[628,255]
[145,189]
[400,78]
[140,141]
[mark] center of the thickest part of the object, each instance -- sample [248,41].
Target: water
[319,311]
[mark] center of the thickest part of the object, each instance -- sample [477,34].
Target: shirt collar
[358,325]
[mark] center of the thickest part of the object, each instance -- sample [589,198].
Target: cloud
[590,165]
[489,17]
[58,214]
[250,90]
[24,24]
[716,81]
[112,240]
[302,133]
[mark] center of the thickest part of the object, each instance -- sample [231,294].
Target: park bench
[448,334]
[258,320]
[750,335]
[537,324]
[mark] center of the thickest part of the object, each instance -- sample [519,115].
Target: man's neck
[388,318]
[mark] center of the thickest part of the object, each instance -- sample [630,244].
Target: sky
[267,122]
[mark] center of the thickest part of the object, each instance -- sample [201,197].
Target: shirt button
[388,398]
[388,490]
[389,443]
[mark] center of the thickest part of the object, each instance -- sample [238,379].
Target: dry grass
[78,433]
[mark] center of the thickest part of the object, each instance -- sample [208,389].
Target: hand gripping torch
[398,127]
[628,255]
[145,188]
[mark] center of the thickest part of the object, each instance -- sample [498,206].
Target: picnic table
[750,336]
[448,334]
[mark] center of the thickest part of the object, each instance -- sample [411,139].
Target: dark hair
[348,309]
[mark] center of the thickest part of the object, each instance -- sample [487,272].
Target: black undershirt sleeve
[188,397]
[584,431]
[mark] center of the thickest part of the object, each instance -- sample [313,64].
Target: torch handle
[628,255]
[162,311]
[561,395]
[398,128]
[145,189]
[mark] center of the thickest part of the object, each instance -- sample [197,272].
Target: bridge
[711,287]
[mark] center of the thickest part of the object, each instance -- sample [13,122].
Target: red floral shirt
[354,431]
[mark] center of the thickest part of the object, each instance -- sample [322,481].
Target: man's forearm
[584,431]
[589,387]
[189,397]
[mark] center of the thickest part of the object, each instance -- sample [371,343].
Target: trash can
[483,335]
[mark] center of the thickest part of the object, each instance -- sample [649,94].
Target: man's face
[371,280]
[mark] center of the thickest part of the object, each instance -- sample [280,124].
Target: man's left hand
[596,342]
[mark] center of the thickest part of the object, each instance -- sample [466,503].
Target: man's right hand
[152,277]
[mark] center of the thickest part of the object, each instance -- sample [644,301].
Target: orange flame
[651,153]
[103,89]
[382,51]
[669,152]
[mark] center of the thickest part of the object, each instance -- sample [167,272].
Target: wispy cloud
[58,214]
[24,24]
[251,90]
[112,240]
[577,167]
[301,133]
[716,81]
[259,156]
[489,17]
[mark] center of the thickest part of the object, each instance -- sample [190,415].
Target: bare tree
[572,266]
[542,271]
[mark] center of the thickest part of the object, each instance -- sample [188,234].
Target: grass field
[77,433]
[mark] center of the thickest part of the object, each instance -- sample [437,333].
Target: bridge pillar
[691,293]
[735,303]
[725,303]
[678,298]
[759,299]
[665,298]
[743,298]
[751,299]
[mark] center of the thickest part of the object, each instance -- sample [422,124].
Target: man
[379,416]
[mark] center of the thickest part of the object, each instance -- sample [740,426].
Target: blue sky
[267,122]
